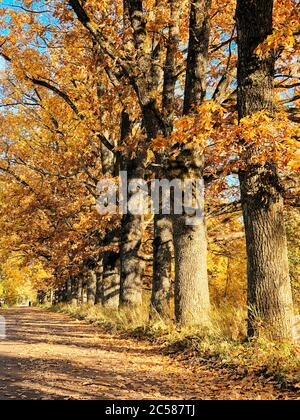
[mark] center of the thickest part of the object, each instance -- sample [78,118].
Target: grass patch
[222,343]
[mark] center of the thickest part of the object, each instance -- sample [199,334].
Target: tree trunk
[74,299]
[91,287]
[51,297]
[192,303]
[84,293]
[42,297]
[132,267]
[99,285]
[59,296]
[269,288]
[196,73]
[162,265]
[163,249]
[111,279]
[79,290]
[69,290]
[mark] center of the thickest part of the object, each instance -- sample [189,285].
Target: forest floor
[52,356]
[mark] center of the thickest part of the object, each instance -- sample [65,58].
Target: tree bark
[99,285]
[132,266]
[79,290]
[74,300]
[163,249]
[163,238]
[192,303]
[111,279]
[69,290]
[51,297]
[91,287]
[108,272]
[42,297]
[195,85]
[162,264]
[192,300]
[269,288]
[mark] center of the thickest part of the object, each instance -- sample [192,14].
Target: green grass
[223,343]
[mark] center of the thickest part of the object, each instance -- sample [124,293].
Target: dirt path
[50,356]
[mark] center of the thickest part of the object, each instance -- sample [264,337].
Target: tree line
[162,89]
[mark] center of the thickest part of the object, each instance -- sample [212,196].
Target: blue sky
[2,63]
[38,5]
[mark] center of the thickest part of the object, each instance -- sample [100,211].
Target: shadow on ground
[51,356]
